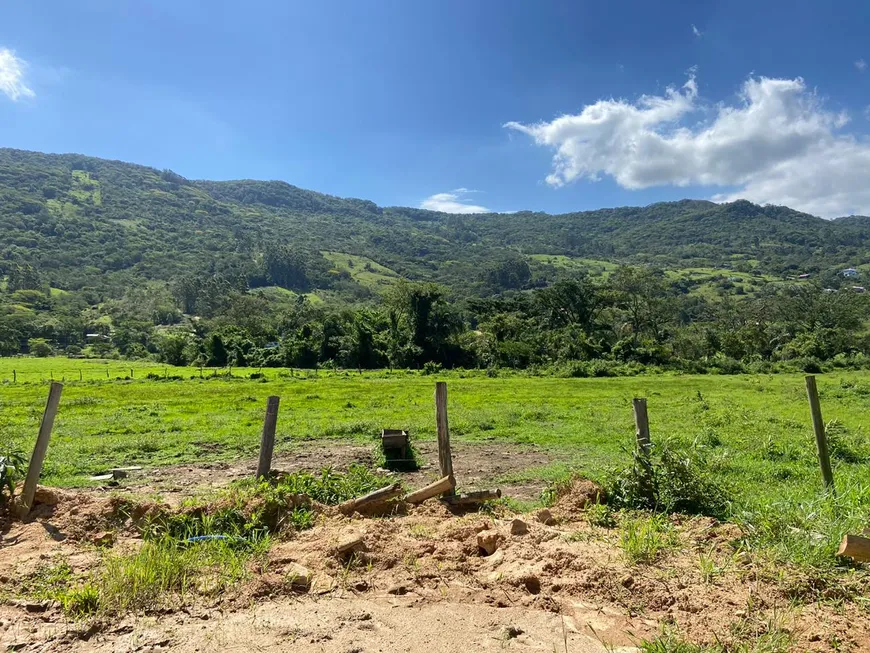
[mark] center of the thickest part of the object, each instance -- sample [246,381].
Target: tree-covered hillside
[112,258]
[83,222]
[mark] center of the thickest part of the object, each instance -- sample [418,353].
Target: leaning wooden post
[25,502]
[445,459]
[267,441]
[819,428]
[14,376]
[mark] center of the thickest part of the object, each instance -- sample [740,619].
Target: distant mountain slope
[84,222]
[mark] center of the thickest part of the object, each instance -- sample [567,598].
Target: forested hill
[78,222]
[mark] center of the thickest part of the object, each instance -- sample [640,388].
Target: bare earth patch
[477,465]
[420,582]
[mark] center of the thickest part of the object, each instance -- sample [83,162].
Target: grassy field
[754,431]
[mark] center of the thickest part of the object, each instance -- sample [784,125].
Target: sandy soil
[421,582]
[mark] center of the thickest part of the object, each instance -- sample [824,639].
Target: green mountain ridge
[85,222]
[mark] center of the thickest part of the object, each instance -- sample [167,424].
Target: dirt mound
[576,497]
[431,561]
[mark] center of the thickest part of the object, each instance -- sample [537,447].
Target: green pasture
[755,430]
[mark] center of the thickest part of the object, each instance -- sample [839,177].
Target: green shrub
[11,469]
[677,479]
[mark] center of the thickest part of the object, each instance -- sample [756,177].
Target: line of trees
[637,317]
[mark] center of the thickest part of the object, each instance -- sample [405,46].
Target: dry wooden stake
[855,547]
[644,445]
[378,496]
[442,485]
[641,423]
[819,428]
[445,459]
[469,498]
[267,441]
[39,451]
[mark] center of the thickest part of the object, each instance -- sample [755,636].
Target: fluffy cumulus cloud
[454,201]
[12,81]
[861,65]
[777,144]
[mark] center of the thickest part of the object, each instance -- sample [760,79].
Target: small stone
[398,589]
[299,577]
[815,637]
[350,542]
[32,606]
[546,517]
[627,581]
[45,496]
[488,541]
[103,538]
[740,613]
[519,527]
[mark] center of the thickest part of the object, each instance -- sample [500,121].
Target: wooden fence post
[821,436]
[641,424]
[39,451]
[267,441]
[81,376]
[644,446]
[14,376]
[445,458]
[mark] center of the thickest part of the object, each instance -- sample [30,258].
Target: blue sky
[553,106]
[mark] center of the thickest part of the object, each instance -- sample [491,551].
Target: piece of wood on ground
[470,498]
[378,496]
[855,547]
[440,486]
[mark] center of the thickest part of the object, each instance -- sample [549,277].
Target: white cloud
[452,202]
[12,76]
[860,65]
[696,31]
[777,144]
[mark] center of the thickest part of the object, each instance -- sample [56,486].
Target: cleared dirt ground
[420,582]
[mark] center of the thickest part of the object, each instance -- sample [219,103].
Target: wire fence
[47,374]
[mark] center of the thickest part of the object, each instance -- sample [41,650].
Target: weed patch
[644,538]
[678,479]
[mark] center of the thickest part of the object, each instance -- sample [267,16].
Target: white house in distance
[850,272]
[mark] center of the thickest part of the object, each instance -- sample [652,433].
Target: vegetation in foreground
[204,549]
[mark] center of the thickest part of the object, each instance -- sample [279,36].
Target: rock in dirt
[488,541]
[299,577]
[519,527]
[545,517]
[34,606]
[627,582]
[399,589]
[45,496]
[350,542]
[103,538]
